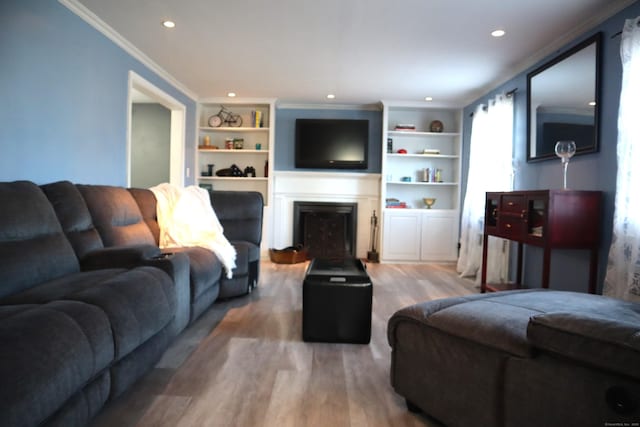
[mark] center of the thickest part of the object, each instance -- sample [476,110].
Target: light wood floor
[244,363]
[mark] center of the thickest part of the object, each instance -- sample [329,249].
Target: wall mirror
[562,101]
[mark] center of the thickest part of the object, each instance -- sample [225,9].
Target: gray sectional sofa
[524,358]
[88,302]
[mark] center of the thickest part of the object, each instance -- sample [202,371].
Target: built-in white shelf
[233,151]
[230,129]
[416,233]
[421,183]
[435,156]
[219,158]
[232,178]
[420,134]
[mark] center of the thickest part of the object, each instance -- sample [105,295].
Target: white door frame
[178,119]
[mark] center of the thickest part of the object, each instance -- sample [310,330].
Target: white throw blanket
[186,218]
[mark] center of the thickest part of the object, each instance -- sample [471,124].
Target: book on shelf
[405,126]
[256,118]
[430,151]
[395,203]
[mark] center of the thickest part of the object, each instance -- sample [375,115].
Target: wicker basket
[290,255]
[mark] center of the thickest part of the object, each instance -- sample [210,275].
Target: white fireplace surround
[335,187]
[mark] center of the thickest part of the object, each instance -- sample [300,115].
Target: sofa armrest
[172,263]
[118,257]
[176,265]
[610,342]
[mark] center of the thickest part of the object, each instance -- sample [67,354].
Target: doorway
[142,92]
[150,142]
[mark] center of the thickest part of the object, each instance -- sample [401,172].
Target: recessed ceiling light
[428,98]
[331,96]
[231,94]
[498,33]
[592,103]
[168,24]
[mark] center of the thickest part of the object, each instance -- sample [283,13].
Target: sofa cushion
[48,353]
[116,216]
[204,269]
[33,247]
[146,201]
[244,252]
[251,250]
[74,217]
[500,326]
[238,284]
[603,332]
[486,319]
[85,404]
[240,213]
[138,303]
[59,288]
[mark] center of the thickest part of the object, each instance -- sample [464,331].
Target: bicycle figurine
[225,116]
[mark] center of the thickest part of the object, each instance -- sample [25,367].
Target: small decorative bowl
[429,201]
[436,126]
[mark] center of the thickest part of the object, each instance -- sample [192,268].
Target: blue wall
[569,269]
[286,131]
[63,88]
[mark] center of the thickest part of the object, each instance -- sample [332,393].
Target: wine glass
[565,150]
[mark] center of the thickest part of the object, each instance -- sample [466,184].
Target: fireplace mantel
[336,187]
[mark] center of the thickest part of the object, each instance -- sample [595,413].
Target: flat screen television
[332,144]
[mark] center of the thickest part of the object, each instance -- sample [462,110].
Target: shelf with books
[234,151]
[248,146]
[420,183]
[232,178]
[230,129]
[402,133]
[425,155]
[419,163]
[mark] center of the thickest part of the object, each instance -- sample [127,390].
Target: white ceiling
[363,51]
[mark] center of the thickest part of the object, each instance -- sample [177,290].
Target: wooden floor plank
[244,363]
[165,410]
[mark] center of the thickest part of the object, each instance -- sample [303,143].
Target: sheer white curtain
[490,169]
[623,271]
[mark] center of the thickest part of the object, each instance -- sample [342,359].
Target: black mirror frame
[594,39]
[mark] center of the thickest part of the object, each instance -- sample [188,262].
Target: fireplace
[325,229]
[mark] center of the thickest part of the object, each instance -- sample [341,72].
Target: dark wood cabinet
[550,219]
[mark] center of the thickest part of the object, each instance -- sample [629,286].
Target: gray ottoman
[519,358]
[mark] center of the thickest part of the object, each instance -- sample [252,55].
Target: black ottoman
[336,301]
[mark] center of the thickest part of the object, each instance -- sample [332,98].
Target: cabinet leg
[546,267]
[483,276]
[520,259]
[593,271]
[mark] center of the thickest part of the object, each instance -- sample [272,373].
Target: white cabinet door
[438,236]
[401,236]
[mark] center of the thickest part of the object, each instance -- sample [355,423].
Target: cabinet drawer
[513,204]
[511,226]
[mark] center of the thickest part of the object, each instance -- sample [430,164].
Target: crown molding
[328,106]
[236,100]
[92,19]
[562,43]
